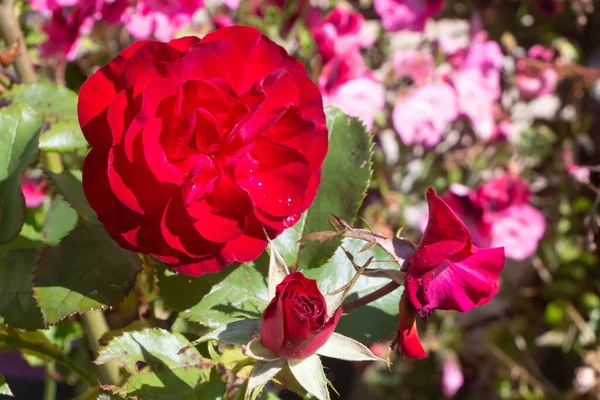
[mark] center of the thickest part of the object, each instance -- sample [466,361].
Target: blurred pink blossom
[498,214]
[477,82]
[452,377]
[417,65]
[406,14]
[348,85]
[531,81]
[71,19]
[340,32]
[33,190]
[222,21]
[161,18]
[580,173]
[231,4]
[421,117]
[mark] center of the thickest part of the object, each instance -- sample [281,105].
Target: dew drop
[291,220]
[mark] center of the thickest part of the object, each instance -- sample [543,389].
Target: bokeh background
[494,103]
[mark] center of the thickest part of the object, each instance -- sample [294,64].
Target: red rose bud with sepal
[199,146]
[445,272]
[295,323]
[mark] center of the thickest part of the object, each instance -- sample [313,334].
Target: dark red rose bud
[295,323]
[199,146]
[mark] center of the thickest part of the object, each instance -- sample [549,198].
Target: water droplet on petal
[291,220]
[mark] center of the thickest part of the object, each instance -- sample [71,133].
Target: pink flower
[446,271]
[33,190]
[498,214]
[340,32]
[406,14]
[477,83]
[161,18]
[348,85]
[421,117]
[231,4]
[531,81]
[66,26]
[416,65]
[452,377]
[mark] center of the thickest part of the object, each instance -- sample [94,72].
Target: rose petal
[409,343]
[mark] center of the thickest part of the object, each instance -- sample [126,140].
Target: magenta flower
[67,25]
[161,18]
[414,64]
[477,83]
[346,83]
[531,82]
[33,189]
[422,116]
[406,14]
[446,271]
[341,32]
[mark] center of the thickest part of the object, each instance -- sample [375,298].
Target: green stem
[94,327]
[379,293]
[16,342]
[49,382]
[10,34]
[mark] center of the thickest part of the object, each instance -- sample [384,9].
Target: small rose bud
[295,323]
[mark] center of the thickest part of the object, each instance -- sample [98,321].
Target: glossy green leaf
[377,320]
[19,129]
[345,177]
[58,106]
[215,299]
[87,270]
[64,136]
[69,185]
[4,389]
[168,375]
[60,220]
[17,305]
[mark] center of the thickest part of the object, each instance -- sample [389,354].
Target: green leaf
[64,136]
[19,129]
[28,238]
[60,220]
[216,299]
[17,305]
[69,185]
[4,389]
[377,320]
[58,106]
[86,271]
[169,375]
[309,373]
[344,180]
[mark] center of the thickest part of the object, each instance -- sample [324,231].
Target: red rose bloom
[200,145]
[295,323]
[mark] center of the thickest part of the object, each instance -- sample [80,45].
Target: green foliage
[344,181]
[19,129]
[4,389]
[58,107]
[17,305]
[86,271]
[215,299]
[69,185]
[167,374]
[60,220]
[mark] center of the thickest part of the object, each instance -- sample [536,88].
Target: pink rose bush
[498,213]
[345,81]
[531,82]
[161,18]
[421,117]
[406,14]
[414,64]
